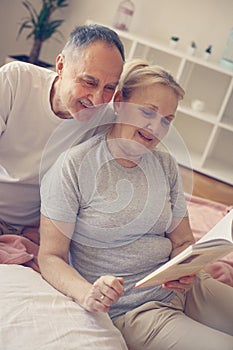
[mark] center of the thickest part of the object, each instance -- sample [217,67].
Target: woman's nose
[155,126]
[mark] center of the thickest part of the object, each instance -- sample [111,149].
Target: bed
[33,315]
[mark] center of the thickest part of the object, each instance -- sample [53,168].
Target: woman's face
[145,118]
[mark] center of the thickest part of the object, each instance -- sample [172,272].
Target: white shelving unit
[208,135]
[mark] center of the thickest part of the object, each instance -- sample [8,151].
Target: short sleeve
[60,195]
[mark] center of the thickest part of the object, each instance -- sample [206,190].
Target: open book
[217,243]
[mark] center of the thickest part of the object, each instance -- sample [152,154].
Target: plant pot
[173,43]
[25,58]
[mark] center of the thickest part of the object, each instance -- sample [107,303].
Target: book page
[196,256]
[223,229]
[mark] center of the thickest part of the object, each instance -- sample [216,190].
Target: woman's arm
[181,237]
[55,268]
[180,234]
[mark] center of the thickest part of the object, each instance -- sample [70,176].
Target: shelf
[207,117]
[202,140]
[191,129]
[219,161]
[127,46]
[227,117]
[161,58]
[202,83]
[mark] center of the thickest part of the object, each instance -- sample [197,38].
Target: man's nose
[98,97]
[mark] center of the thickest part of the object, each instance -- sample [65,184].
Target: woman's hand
[104,291]
[182,285]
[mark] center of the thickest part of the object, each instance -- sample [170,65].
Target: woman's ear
[117,101]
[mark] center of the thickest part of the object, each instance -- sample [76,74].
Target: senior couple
[112,207]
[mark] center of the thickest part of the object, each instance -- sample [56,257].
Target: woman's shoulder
[77,152]
[164,156]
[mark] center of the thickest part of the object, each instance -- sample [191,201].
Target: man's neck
[55,101]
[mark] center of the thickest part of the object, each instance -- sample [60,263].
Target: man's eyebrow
[90,77]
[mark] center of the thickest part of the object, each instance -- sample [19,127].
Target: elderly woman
[116,203]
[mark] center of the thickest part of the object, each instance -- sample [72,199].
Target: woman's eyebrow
[151,106]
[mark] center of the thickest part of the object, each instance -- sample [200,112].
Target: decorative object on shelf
[124,15]
[41,27]
[192,48]
[174,41]
[227,58]
[198,105]
[207,52]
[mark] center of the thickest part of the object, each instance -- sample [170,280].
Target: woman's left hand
[182,285]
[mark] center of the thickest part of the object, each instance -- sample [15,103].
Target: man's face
[88,80]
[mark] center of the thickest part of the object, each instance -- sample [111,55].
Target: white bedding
[35,316]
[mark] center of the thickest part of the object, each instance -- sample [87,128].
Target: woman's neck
[116,148]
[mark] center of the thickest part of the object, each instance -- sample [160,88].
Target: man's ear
[59,64]
[117,101]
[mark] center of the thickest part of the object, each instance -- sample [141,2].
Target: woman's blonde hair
[139,73]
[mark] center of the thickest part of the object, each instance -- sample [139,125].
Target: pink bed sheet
[204,214]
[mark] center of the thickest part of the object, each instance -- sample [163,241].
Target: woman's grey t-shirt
[121,215]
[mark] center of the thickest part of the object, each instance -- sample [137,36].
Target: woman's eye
[148,113]
[165,122]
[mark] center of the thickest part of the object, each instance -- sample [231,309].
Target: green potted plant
[207,52]
[174,41]
[41,27]
[192,48]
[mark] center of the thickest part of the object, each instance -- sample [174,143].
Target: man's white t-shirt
[31,138]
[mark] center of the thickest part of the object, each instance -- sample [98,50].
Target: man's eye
[110,88]
[88,83]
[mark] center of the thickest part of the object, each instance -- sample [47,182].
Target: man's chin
[85,114]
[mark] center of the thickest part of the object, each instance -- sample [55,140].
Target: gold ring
[102,297]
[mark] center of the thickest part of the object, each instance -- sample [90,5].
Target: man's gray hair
[82,36]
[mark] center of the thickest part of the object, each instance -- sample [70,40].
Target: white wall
[204,21]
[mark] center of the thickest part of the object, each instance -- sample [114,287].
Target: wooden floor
[206,187]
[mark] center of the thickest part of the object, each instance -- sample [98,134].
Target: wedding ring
[102,297]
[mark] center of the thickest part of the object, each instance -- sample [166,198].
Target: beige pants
[200,320]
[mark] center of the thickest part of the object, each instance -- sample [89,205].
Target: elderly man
[43,112]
